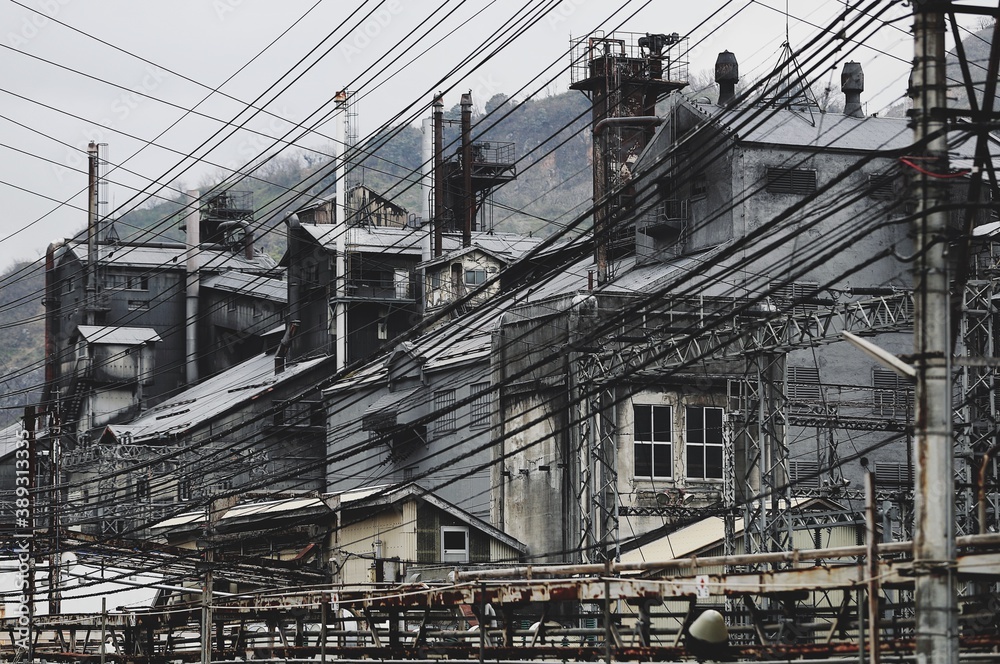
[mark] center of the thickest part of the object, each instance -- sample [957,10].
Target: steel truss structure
[530,613]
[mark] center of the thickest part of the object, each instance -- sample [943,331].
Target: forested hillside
[553,168]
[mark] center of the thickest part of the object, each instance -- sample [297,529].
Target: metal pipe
[90,288]
[981,487]
[192,236]
[638,121]
[438,175]
[470,196]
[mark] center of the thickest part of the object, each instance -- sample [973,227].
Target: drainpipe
[192,235]
[286,342]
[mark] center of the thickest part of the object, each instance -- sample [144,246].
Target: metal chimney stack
[852,84]
[727,75]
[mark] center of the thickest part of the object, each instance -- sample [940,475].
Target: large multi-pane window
[652,444]
[703,449]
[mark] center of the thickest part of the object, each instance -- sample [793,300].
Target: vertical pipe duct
[438,174]
[469,195]
[340,236]
[92,221]
[192,236]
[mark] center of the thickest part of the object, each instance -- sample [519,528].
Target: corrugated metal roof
[9,439]
[384,239]
[242,282]
[218,394]
[821,130]
[117,336]
[171,257]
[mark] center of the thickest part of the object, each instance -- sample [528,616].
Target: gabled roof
[304,508]
[409,241]
[220,393]
[232,281]
[117,336]
[458,253]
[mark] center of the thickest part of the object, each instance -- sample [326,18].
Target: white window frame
[455,555]
[702,447]
[663,445]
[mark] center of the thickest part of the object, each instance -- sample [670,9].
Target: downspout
[192,235]
[286,342]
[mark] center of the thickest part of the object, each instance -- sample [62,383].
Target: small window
[138,305]
[454,544]
[652,447]
[480,412]
[475,277]
[791,180]
[137,283]
[183,490]
[444,406]
[231,304]
[257,313]
[699,185]
[704,443]
[383,330]
[142,489]
[68,286]
[435,281]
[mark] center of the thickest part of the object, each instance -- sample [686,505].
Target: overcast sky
[64,87]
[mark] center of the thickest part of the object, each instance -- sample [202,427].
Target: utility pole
[340,235]
[934,500]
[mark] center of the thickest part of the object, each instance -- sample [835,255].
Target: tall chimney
[438,175]
[852,84]
[727,74]
[192,234]
[470,197]
[90,289]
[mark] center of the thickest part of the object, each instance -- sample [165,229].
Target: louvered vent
[803,384]
[880,185]
[791,180]
[893,474]
[804,474]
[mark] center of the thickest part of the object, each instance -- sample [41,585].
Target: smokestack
[470,198]
[90,291]
[852,84]
[727,74]
[192,235]
[438,174]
